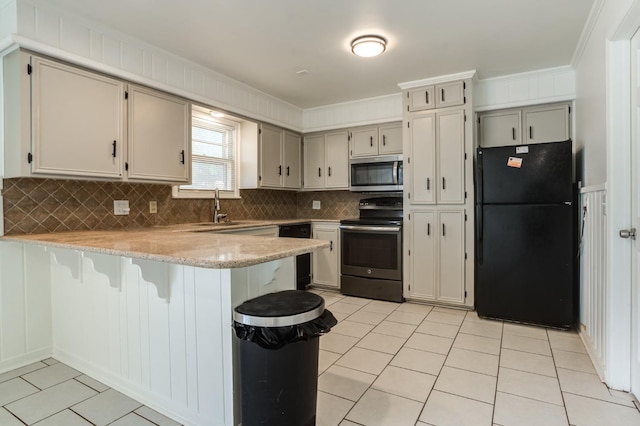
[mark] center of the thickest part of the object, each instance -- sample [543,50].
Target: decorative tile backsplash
[50,205]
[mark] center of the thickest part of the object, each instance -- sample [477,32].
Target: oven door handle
[371,228]
[395,173]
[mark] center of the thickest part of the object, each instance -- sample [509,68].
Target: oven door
[371,251]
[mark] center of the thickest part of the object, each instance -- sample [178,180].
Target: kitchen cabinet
[544,123]
[279,158]
[325,263]
[159,136]
[326,160]
[438,237]
[78,121]
[376,140]
[437,157]
[437,255]
[65,121]
[436,96]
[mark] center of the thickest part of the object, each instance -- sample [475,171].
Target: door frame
[619,115]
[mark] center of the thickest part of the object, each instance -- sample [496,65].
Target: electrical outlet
[153,207]
[121,207]
[316,205]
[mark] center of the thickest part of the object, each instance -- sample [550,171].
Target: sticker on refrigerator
[514,162]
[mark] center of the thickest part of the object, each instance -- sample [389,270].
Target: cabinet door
[337,155]
[420,99]
[325,261]
[422,131]
[77,121]
[314,173]
[424,236]
[159,136]
[546,124]
[291,150]
[450,148]
[364,142]
[390,139]
[451,256]
[270,157]
[500,128]
[449,94]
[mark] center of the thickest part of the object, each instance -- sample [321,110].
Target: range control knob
[369,271]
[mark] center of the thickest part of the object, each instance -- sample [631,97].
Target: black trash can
[279,343]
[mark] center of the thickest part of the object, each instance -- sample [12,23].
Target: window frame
[177,192]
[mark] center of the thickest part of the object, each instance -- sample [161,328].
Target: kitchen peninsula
[146,311]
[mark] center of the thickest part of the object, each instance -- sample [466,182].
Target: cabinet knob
[280,170]
[428,184]
[329,171]
[319,172]
[426,97]
[513,133]
[442,94]
[288,167]
[530,132]
[370,140]
[182,156]
[114,149]
[444,184]
[428,229]
[384,140]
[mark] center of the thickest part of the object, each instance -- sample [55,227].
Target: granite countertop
[185,244]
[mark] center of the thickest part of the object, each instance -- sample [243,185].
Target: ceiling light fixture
[368,46]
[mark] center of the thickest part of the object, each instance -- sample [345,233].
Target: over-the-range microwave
[376,174]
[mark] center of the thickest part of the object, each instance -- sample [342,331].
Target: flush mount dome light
[368,46]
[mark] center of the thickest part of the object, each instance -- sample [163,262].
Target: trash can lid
[281,309]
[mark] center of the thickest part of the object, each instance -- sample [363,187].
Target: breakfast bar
[146,311]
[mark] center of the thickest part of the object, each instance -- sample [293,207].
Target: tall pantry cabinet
[438,190]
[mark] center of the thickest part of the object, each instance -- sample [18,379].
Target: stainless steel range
[371,255]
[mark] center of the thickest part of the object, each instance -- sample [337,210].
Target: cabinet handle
[426,93]
[370,140]
[443,230]
[513,133]
[182,156]
[319,172]
[330,245]
[530,132]
[280,170]
[428,184]
[442,94]
[428,229]
[288,167]
[329,171]
[444,184]
[384,140]
[114,150]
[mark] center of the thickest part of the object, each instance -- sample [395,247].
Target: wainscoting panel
[593,266]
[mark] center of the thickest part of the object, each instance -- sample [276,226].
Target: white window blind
[213,154]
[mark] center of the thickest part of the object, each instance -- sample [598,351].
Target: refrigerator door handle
[479,209]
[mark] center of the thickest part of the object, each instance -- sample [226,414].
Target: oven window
[371,250]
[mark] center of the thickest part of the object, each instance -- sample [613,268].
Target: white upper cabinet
[159,136]
[292,158]
[438,96]
[376,140]
[326,160]
[279,158]
[516,126]
[500,128]
[364,141]
[546,124]
[422,136]
[77,121]
[390,139]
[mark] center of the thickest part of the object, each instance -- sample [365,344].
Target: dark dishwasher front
[303,261]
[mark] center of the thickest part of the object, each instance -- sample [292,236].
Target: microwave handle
[395,172]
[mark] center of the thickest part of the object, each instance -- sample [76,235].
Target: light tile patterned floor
[409,364]
[383,364]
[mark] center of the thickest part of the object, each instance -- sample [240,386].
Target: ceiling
[265,43]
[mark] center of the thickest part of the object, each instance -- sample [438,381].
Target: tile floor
[383,364]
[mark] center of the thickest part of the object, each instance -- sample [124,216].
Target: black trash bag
[277,337]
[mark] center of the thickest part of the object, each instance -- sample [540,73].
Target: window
[214,159]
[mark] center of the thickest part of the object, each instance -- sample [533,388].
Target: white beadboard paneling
[593,277]
[47,27]
[133,59]
[75,38]
[536,87]
[95,41]
[8,13]
[111,51]
[361,112]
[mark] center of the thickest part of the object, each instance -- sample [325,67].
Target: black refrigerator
[525,234]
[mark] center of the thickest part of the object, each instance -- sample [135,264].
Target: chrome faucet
[216,208]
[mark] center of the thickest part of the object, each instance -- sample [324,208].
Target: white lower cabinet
[437,255]
[325,266]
